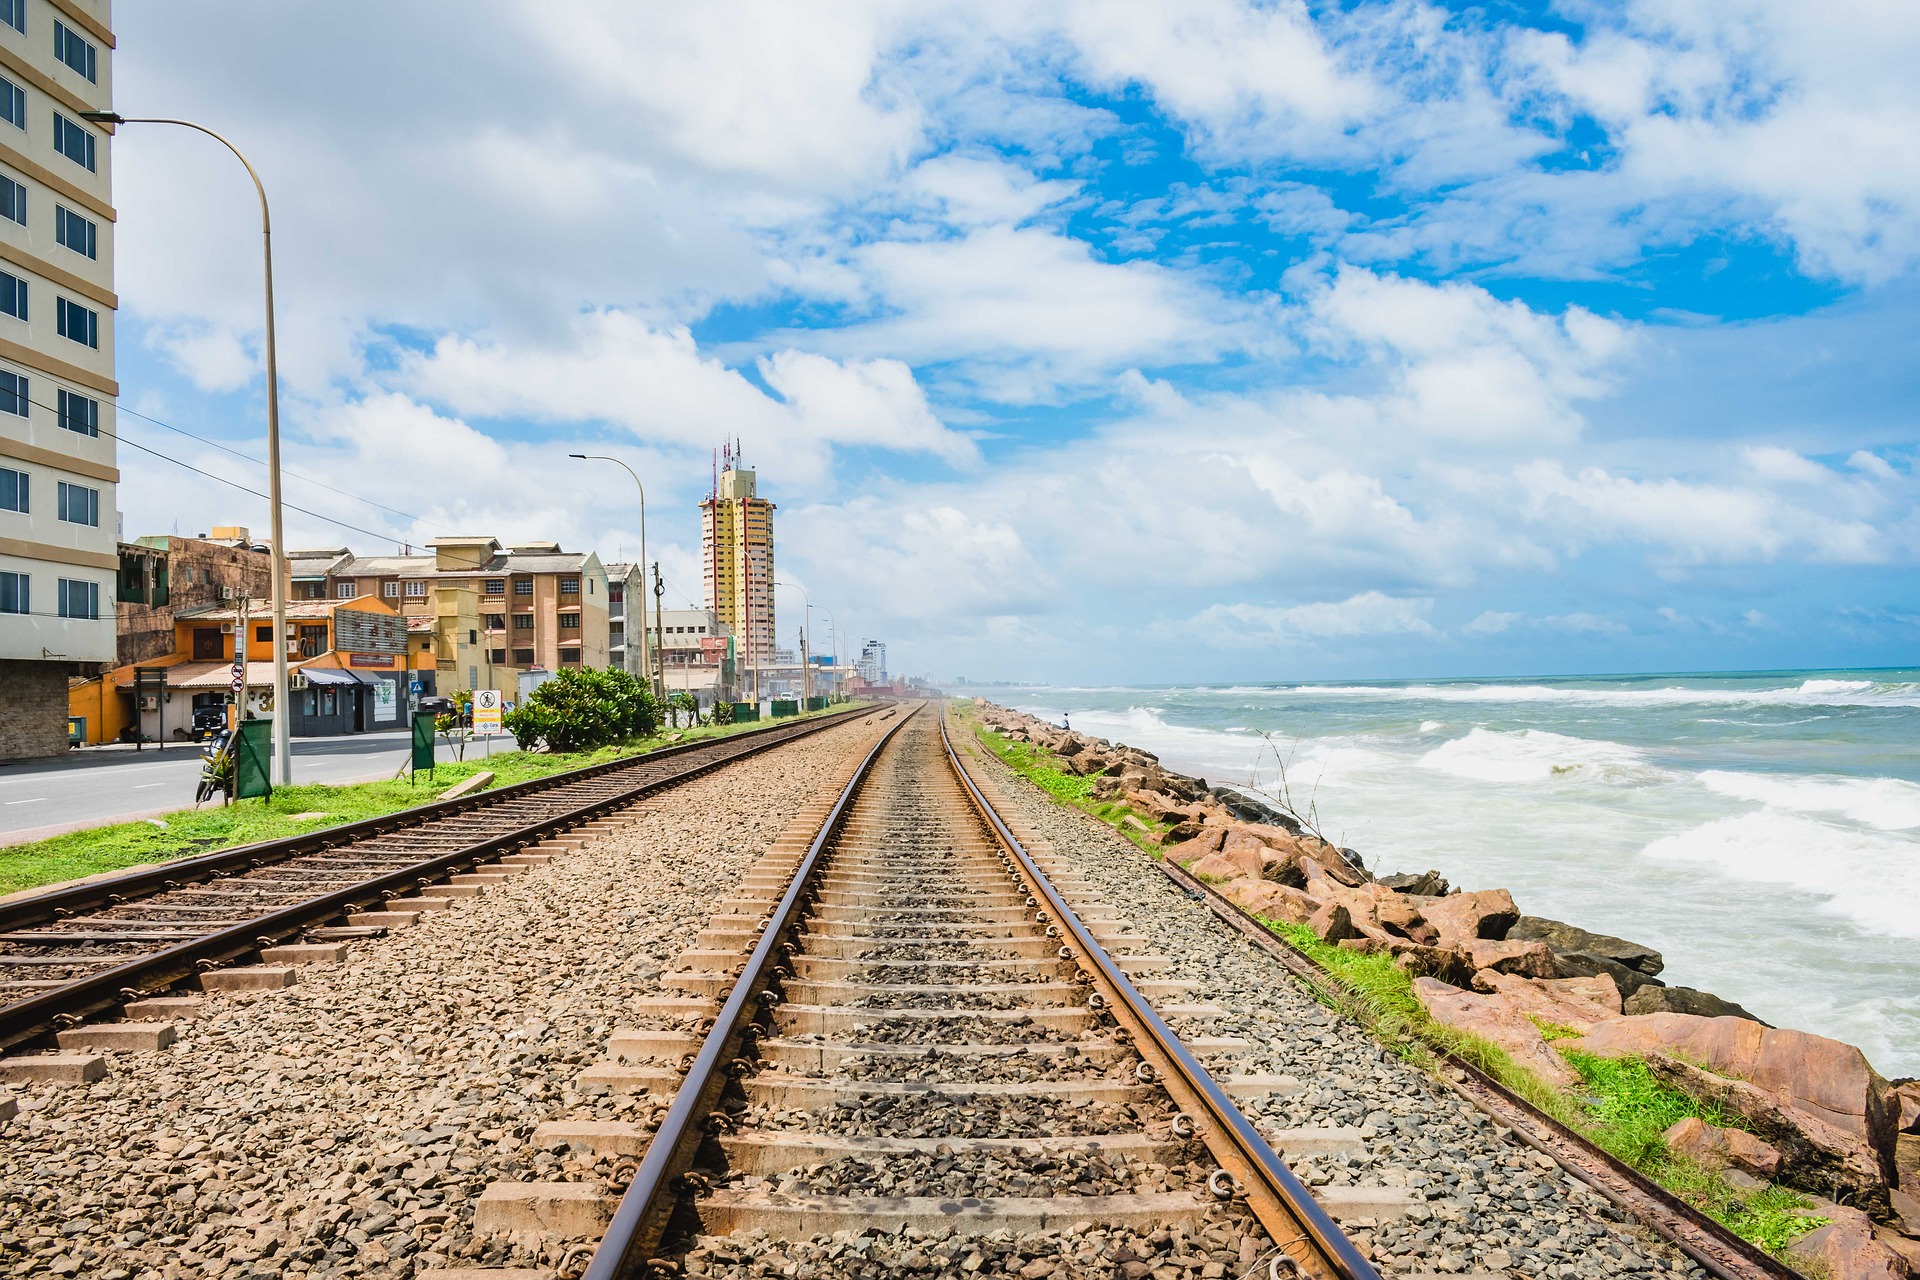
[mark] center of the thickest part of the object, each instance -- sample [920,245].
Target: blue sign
[414,686]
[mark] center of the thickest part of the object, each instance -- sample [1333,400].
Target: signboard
[486,711]
[423,743]
[252,750]
[369,659]
[358,631]
[386,701]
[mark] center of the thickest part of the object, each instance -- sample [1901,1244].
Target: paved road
[85,788]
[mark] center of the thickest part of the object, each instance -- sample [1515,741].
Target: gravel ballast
[346,1125]
[1492,1207]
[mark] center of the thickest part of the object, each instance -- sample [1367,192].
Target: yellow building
[736,546]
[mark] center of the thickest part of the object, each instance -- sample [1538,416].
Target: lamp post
[833,633]
[282,712]
[654,676]
[806,663]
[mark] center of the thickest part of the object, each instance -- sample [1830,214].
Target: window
[13,296]
[523,622]
[344,590]
[523,657]
[313,639]
[70,229]
[14,14]
[497,656]
[13,490]
[79,599]
[616,594]
[13,394]
[416,590]
[263,635]
[70,140]
[78,504]
[496,621]
[13,593]
[76,51]
[571,621]
[80,413]
[569,586]
[523,586]
[13,103]
[82,324]
[391,590]
[571,656]
[496,586]
[473,637]
[13,200]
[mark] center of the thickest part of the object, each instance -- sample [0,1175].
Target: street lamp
[833,632]
[806,665]
[655,678]
[282,711]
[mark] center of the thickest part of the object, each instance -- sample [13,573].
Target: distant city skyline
[1121,342]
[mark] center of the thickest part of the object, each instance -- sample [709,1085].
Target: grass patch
[1621,1107]
[195,831]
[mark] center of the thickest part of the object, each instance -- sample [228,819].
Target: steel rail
[1333,1254]
[157,970]
[172,875]
[1719,1251]
[641,1218]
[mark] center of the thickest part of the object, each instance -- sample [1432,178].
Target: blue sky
[1077,339]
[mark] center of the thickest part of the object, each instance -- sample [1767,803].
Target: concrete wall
[33,709]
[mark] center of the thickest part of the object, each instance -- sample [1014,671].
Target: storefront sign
[369,660]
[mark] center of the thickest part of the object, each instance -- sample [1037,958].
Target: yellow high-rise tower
[736,544]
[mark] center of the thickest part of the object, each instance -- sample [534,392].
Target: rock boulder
[1703,1004]
[1465,917]
[1566,937]
[1720,1148]
[1428,884]
[1530,958]
[1846,1249]
[1584,964]
[1579,1003]
[1496,1019]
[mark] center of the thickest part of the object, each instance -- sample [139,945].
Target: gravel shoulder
[346,1125]
[1492,1207]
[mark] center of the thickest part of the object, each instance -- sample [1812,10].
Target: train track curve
[70,953]
[915,959]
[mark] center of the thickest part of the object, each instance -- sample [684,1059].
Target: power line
[121,408]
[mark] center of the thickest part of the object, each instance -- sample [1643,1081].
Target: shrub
[580,709]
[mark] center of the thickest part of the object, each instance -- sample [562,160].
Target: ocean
[1762,830]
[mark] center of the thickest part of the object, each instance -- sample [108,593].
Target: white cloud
[1369,613]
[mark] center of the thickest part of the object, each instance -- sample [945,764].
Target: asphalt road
[96,785]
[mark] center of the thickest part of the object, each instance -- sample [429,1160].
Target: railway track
[917,1042]
[70,953]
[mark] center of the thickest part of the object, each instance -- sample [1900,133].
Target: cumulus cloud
[1369,613]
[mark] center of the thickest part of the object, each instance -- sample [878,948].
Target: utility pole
[659,644]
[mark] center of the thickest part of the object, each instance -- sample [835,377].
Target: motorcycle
[216,767]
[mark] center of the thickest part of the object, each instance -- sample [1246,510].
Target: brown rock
[1333,923]
[1400,915]
[1281,869]
[1217,867]
[1580,1003]
[1828,1078]
[1566,937]
[1534,959]
[1448,964]
[1817,1156]
[1367,946]
[1847,1250]
[1244,852]
[1908,1094]
[1704,1004]
[1180,832]
[1721,1148]
[1466,917]
[1498,1020]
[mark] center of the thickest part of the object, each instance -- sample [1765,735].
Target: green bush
[581,710]
[722,712]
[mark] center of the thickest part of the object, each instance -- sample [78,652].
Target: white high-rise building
[59,560]
[873,662]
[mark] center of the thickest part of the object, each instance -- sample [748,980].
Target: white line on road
[35,800]
[143,786]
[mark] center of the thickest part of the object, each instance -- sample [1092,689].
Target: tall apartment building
[873,662]
[58,534]
[736,563]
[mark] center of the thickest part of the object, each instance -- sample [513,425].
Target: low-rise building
[628,643]
[159,576]
[697,656]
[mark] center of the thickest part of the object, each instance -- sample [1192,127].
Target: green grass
[1620,1107]
[187,832]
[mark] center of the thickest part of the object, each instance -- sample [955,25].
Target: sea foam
[1890,804]
[1534,755]
[1871,879]
[1807,693]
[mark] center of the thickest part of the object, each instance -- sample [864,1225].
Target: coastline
[1544,1002]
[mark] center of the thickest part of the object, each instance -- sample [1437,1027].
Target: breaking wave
[1534,755]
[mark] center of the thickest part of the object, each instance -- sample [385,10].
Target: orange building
[351,663]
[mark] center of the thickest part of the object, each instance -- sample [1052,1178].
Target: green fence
[785,707]
[745,711]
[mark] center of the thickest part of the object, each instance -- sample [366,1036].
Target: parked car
[434,705]
[208,721]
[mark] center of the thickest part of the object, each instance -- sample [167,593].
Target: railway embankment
[1793,1140]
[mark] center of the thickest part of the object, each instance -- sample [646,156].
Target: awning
[219,675]
[330,675]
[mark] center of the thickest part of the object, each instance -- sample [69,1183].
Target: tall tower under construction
[736,544]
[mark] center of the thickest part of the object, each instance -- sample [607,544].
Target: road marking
[35,800]
[143,786]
